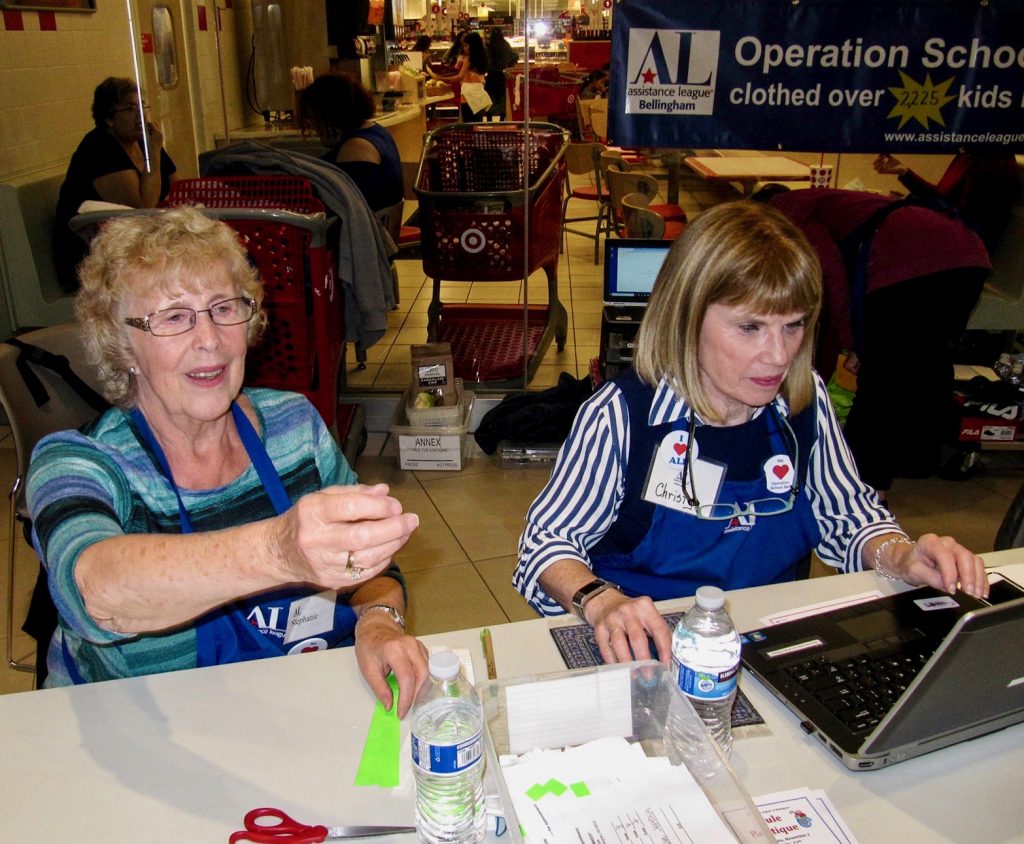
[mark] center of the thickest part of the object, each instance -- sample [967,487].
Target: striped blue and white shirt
[582,499]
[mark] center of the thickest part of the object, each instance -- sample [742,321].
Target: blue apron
[255,627]
[657,551]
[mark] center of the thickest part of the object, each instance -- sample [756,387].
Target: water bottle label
[447,758]
[707,685]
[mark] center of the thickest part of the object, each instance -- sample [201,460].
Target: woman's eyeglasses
[720,512]
[172,321]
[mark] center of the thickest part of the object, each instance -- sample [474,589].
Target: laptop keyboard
[860,690]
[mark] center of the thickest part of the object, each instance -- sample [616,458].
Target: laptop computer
[893,678]
[631,268]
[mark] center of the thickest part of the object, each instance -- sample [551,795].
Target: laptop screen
[630,269]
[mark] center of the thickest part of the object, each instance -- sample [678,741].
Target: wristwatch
[586,593]
[396,616]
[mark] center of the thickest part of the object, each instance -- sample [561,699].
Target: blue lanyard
[253,447]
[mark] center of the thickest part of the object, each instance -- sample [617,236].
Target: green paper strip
[580,789]
[379,765]
[536,791]
[555,787]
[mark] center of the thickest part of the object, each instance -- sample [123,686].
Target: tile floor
[459,562]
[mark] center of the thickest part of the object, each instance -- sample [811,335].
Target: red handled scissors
[270,825]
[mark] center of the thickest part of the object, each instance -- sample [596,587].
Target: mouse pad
[579,649]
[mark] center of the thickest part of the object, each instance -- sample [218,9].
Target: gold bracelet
[876,562]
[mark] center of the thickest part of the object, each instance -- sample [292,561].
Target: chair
[584,159]
[621,183]
[32,414]
[640,221]
[599,127]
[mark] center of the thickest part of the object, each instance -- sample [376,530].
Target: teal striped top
[84,487]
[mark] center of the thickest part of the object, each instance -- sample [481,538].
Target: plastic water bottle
[447,756]
[706,657]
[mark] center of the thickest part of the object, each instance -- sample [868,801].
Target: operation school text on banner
[831,75]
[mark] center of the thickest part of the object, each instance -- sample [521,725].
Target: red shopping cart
[479,224]
[552,96]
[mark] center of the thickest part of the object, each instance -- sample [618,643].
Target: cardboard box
[989,421]
[433,448]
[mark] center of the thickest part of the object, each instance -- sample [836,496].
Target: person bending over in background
[897,311]
[340,111]
[109,165]
[197,523]
[719,459]
[981,186]
[471,72]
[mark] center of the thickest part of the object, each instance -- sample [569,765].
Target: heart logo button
[680,448]
[780,471]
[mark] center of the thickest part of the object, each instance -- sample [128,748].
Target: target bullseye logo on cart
[473,240]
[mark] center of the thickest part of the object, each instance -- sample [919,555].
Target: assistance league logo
[671,71]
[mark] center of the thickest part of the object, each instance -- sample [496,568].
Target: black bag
[41,620]
[544,417]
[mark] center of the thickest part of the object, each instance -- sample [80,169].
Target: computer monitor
[630,269]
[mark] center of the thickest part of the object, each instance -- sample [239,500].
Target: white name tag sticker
[669,472]
[311,615]
[778,473]
[942,602]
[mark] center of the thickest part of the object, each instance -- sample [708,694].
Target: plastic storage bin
[431,417]
[433,447]
[663,723]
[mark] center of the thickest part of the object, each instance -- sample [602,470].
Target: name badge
[666,475]
[778,473]
[311,615]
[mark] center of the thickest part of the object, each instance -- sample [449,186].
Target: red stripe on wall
[201,14]
[14,22]
[47,22]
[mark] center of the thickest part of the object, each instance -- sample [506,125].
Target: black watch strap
[586,593]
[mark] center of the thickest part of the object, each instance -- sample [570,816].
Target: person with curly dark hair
[110,165]
[340,111]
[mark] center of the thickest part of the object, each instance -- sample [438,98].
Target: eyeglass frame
[142,323]
[748,509]
[133,106]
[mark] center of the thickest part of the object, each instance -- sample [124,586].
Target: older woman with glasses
[718,460]
[110,165]
[196,522]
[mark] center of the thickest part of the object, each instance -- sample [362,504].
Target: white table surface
[181,757]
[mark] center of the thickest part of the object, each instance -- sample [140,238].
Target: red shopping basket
[551,99]
[284,228]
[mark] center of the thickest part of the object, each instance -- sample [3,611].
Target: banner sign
[819,75]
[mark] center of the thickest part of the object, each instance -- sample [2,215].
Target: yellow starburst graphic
[920,101]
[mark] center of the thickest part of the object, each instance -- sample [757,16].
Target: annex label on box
[430,452]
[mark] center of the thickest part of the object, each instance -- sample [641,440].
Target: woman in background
[340,111]
[110,166]
[981,186]
[471,71]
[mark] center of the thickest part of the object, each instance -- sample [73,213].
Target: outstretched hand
[341,536]
[889,165]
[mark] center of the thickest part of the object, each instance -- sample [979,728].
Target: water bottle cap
[444,665]
[710,598]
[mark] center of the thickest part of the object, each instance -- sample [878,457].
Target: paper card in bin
[434,372]
[638,701]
